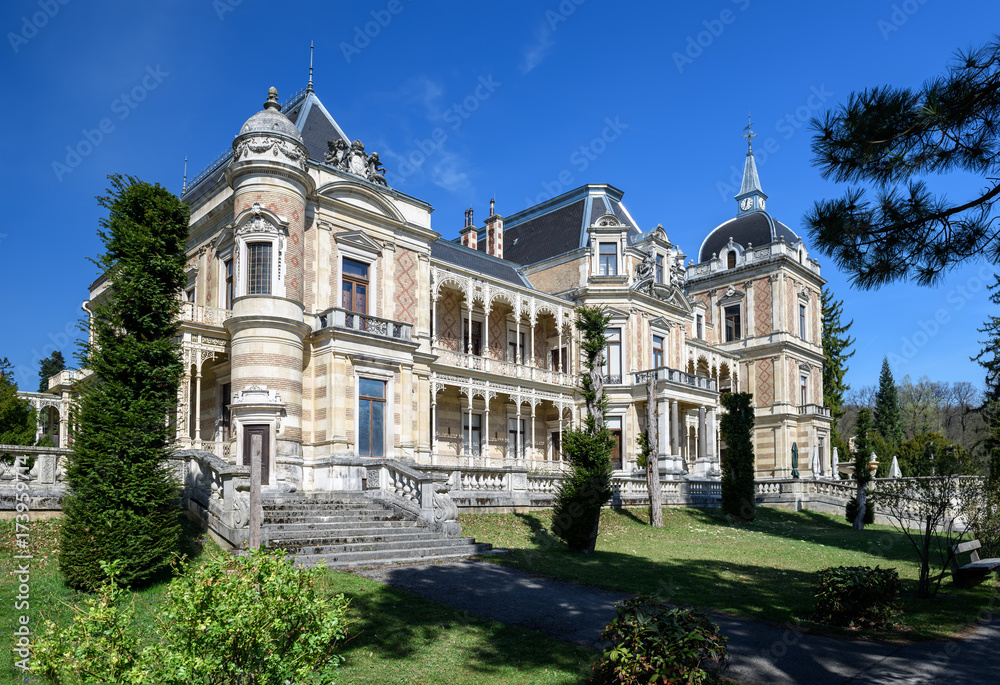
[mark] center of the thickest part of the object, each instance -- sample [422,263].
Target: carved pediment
[731,295]
[359,240]
[608,220]
[259,221]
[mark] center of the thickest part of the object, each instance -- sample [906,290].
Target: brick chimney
[469,232]
[494,232]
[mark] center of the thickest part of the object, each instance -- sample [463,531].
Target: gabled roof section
[314,122]
[466,258]
[560,225]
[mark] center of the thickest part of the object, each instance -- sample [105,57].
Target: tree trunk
[924,586]
[652,459]
[859,517]
[594,406]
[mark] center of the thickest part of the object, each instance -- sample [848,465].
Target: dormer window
[659,268]
[731,260]
[608,259]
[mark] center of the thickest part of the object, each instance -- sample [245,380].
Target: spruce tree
[862,474]
[888,418]
[989,359]
[587,487]
[122,502]
[836,343]
[49,367]
[736,427]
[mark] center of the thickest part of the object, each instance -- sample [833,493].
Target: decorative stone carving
[372,479]
[262,144]
[354,160]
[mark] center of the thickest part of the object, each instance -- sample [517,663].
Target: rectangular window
[804,390]
[472,435]
[657,351]
[659,268]
[354,286]
[512,438]
[371,417]
[612,367]
[258,268]
[475,345]
[226,413]
[734,328]
[608,253]
[699,329]
[802,321]
[557,357]
[614,424]
[189,295]
[513,341]
[230,289]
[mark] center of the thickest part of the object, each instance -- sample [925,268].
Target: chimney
[494,232]
[469,232]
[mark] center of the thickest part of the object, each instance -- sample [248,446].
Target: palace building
[325,317]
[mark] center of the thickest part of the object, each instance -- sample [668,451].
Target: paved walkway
[759,652]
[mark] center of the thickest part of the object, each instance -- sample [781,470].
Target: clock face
[762,203]
[746,203]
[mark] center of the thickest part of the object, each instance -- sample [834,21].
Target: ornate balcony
[367,324]
[813,410]
[199,313]
[665,373]
[502,367]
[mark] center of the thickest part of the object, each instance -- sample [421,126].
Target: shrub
[852,510]
[859,596]
[654,642]
[232,620]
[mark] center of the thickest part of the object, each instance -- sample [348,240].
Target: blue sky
[467,101]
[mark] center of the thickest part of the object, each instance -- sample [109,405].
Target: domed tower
[270,181]
[756,293]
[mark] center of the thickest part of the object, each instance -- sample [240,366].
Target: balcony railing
[199,313]
[365,323]
[502,367]
[665,373]
[813,409]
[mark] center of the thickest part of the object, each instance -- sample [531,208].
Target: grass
[398,637]
[765,569]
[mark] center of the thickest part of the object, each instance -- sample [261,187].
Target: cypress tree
[122,502]
[587,487]
[888,418]
[736,427]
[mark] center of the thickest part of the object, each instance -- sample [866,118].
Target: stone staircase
[346,530]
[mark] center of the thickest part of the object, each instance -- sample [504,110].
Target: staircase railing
[216,492]
[425,495]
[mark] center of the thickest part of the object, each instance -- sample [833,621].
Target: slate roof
[466,258]
[758,228]
[560,225]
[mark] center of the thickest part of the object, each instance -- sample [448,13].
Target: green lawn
[398,637]
[765,569]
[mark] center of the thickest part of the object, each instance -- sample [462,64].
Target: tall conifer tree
[836,343]
[862,473]
[888,419]
[989,359]
[738,466]
[123,502]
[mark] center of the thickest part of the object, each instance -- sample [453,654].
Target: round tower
[270,182]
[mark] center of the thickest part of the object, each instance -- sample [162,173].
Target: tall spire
[184,185]
[751,197]
[309,86]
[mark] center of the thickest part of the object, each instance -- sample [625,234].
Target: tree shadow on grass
[629,514]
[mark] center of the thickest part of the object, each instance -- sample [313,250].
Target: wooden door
[257,439]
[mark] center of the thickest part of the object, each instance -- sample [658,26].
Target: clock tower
[750,198]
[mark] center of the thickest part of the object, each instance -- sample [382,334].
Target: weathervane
[749,135]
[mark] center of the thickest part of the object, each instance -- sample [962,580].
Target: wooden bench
[977,569]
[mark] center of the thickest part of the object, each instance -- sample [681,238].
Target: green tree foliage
[122,502]
[17,417]
[888,421]
[587,486]
[49,367]
[836,343]
[893,139]
[989,359]
[736,427]
[862,474]
[921,453]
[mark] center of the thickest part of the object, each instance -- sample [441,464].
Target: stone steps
[348,530]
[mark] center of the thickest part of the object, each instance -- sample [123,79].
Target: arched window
[731,260]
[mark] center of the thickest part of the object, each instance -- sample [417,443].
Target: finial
[493,204]
[309,86]
[749,135]
[184,185]
[272,99]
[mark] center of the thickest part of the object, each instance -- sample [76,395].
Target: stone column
[713,445]
[675,425]
[197,406]
[486,431]
[434,428]
[702,434]
[663,429]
